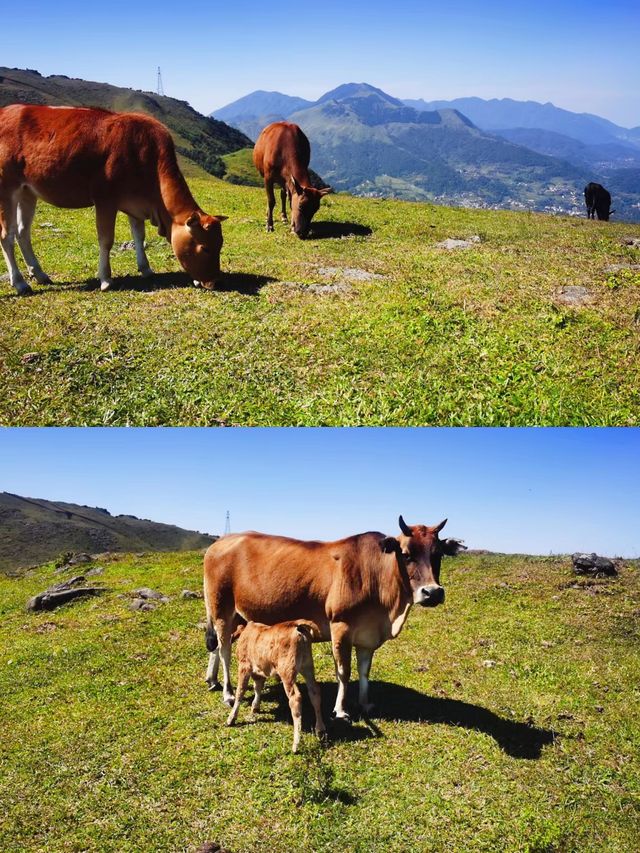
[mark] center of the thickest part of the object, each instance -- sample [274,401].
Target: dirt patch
[340,287]
[620,267]
[352,273]
[451,243]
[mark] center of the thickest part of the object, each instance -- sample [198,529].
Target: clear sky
[580,54]
[532,490]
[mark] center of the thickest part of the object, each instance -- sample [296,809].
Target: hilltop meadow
[508,720]
[368,322]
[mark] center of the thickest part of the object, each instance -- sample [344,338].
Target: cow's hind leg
[224,630]
[8,212]
[341,646]
[26,212]
[258,681]
[106,225]
[211,641]
[271,203]
[137,232]
[364,658]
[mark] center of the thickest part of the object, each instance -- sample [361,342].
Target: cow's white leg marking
[224,649]
[212,670]
[105,224]
[8,207]
[137,232]
[364,658]
[341,646]
[25,213]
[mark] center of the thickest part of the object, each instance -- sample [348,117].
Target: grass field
[508,720]
[367,323]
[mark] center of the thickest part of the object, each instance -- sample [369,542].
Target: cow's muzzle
[430,596]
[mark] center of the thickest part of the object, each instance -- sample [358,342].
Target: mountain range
[497,153]
[35,531]
[199,140]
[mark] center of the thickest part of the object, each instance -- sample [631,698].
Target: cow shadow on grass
[396,703]
[336,230]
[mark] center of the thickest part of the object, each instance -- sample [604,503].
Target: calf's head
[305,202]
[419,552]
[197,244]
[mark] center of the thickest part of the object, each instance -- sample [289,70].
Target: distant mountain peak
[357,90]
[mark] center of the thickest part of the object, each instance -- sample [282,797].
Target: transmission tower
[159,86]
[227,524]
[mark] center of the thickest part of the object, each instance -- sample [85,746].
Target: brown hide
[281,155]
[79,157]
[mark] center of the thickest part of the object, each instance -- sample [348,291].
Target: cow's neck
[400,596]
[177,202]
[300,174]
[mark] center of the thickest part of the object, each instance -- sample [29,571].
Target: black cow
[598,201]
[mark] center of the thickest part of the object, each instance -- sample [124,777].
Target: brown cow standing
[358,591]
[78,157]
[283,650]
[281,155]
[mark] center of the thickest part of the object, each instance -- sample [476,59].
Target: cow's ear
[297,186]
[451,547]
[326,191]
[389,545]
[439,527]
[194,219]
[220,217]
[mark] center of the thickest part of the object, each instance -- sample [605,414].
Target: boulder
[592,564]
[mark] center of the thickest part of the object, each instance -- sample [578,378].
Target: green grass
[476,336]
[239,168]
[508,720]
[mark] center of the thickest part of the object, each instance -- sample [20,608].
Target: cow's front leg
[26,212]
[137,232]
[283,201]
[341,646]
[364,658]
[271,203]
[212,670]
[106,226]
[7,242]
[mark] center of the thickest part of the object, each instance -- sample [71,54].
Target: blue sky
[580,55]
[532,490]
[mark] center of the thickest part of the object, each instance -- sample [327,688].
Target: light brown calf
[283,649]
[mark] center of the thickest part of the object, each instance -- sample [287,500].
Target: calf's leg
[258,682]
[8,213]
[341,646]
[295,704]
[26,212]
[244,674]
[137,232]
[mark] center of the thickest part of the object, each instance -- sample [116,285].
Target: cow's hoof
[105,285]
[214,685]
[23,289]
[367,710]
[229,700]
[269,229]
[147,272]
[341,717]
[42,278]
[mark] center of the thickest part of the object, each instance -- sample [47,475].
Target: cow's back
[72,155]
[281,150]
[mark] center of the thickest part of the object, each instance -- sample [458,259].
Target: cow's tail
[210,637]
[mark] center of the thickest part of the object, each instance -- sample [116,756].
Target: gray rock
[189,593]
[50,599]
[79,558]
[574,294]
[142,604]
[352,273]
[632,241]
[98,570]
[621,267]
[450,243]
[146,593]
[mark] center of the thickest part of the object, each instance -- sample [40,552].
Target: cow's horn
[440,526]
[404,526]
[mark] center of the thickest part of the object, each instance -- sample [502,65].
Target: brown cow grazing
[283,650]
[358,591]
[282,155]
[77,157]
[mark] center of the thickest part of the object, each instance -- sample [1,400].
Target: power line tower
[159,86]
[227,524]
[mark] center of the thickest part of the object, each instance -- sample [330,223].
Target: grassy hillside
[348,327]
[35,530]
[200,140]
[508,721]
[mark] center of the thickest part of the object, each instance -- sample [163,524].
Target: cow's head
[419,552]
[305,202]
[197,244]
